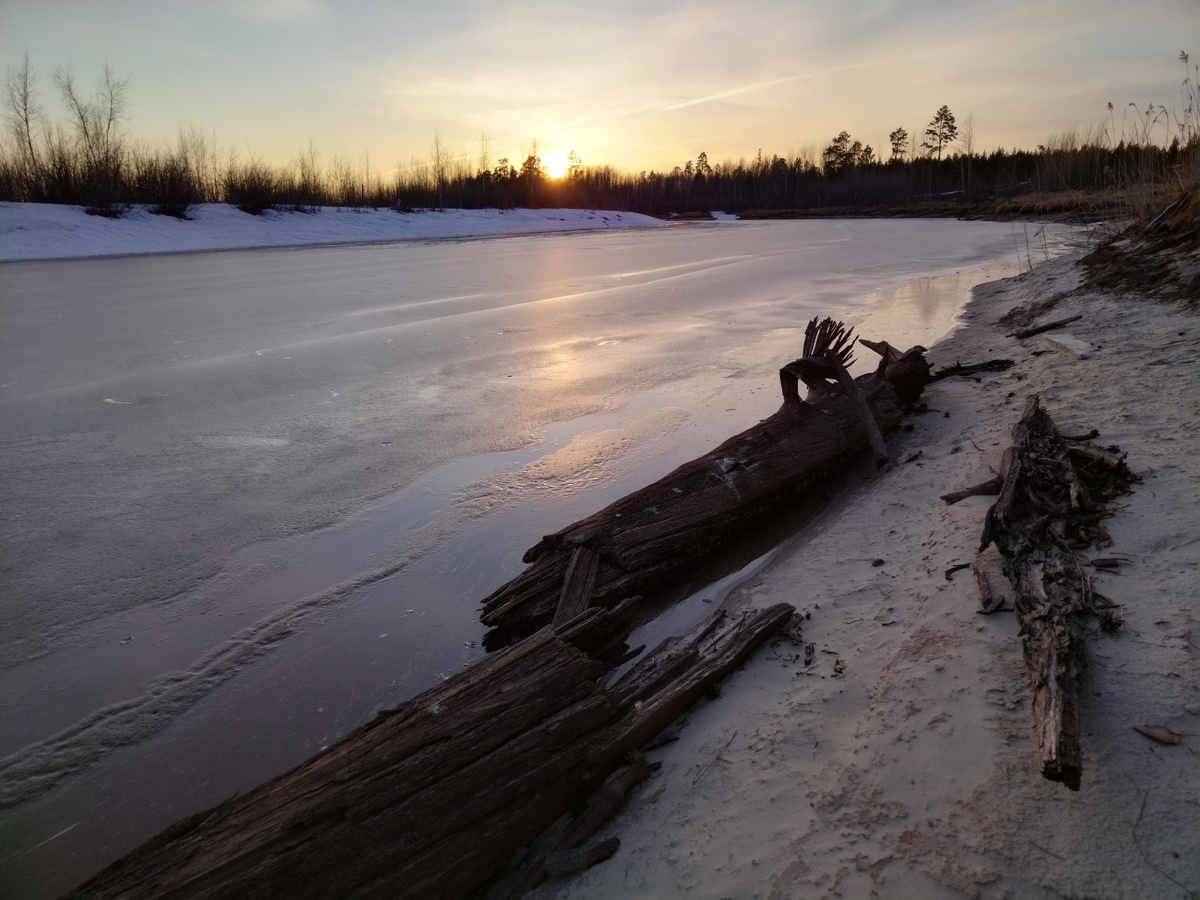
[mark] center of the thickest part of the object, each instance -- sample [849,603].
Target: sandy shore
[901,762]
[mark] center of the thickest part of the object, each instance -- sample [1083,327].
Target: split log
[432,799]
[1039,329]
[650,538]
[578,585]
[1047,508]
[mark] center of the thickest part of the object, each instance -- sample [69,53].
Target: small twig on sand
[1049,326]
[716,756]
[1047,852]
[1138,841]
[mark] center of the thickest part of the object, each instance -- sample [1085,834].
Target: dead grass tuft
[1158,256]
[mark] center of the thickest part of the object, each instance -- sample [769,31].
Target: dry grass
[1158,256]
[1134,203]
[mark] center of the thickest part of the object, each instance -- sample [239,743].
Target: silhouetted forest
[88,158]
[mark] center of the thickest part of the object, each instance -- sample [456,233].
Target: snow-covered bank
[47,231]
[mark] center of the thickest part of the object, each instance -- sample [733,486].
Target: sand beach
[901,761]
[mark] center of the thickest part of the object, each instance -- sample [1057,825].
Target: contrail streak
[759,85]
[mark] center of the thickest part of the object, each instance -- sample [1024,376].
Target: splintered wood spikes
[1051,506]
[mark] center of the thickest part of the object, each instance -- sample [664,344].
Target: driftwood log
[433,799]
[1050,508]
[437,797]
[657,534]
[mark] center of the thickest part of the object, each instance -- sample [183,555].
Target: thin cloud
[832,70]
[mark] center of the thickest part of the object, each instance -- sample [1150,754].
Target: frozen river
[251,497]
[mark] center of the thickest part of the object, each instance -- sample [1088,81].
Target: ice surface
[251,497]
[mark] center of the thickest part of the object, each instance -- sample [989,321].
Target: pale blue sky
[639,84]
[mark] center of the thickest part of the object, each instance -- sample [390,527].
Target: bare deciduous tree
[439,162]
[25,116]
[575,165]
[484,165]
[97,123]
[309,186]
[966,135]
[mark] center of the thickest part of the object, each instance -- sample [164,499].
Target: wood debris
[1159,733]
[654,536]
[1051,507]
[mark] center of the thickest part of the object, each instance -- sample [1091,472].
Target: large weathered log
[1047,509]
[433,798]
[653,536]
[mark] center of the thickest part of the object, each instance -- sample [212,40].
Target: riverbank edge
[49,232]
[901,762]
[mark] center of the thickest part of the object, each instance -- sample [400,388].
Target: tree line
[87,158]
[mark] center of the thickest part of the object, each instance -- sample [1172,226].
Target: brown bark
[433,798]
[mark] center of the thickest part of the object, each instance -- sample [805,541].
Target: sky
[641,85]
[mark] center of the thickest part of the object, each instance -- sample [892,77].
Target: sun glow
[556,162]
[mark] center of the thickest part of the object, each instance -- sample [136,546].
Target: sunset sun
[556,162]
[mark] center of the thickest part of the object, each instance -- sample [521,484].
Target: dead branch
[992,365]
[1038,329]
[988,488]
